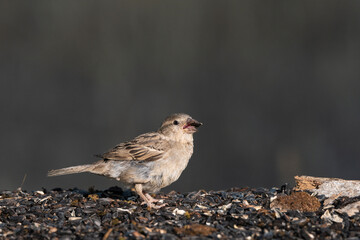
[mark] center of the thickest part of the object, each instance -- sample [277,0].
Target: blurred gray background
[276,84]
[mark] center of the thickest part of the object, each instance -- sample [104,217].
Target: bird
[148,162]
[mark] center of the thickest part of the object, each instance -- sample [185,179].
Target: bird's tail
[71,170]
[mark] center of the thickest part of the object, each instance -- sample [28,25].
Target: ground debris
[195,230]
[301,201]
[328,186]
[242,213]
[339,193]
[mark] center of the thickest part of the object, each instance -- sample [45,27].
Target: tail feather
[71,170]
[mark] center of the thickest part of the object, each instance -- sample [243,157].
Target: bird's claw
[151,199]
[151,205]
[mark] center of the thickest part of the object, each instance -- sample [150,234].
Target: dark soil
[116,214]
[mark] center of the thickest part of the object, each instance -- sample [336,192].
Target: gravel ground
[115,214]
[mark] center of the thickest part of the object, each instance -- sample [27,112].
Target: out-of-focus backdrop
[276,84]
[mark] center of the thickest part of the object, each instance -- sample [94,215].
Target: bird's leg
[151,199]
[138,189]
[149,202]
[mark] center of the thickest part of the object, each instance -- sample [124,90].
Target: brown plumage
[146,147]
[150,161]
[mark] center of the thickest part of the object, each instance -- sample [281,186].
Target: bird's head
[179,124]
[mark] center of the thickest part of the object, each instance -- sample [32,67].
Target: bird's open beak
[192,123]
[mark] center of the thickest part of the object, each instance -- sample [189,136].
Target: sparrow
[150,161]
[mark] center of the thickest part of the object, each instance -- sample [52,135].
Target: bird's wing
[146,147]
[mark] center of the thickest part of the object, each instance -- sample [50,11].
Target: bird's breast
[169,169]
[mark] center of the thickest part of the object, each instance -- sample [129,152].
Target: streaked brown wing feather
[146,147]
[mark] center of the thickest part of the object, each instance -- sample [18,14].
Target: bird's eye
[176,122]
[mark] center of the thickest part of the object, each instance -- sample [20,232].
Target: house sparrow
[150,161]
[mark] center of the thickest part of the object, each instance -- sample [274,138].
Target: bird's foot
[151,199]
[159,206]
[147,199]
[152,205]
